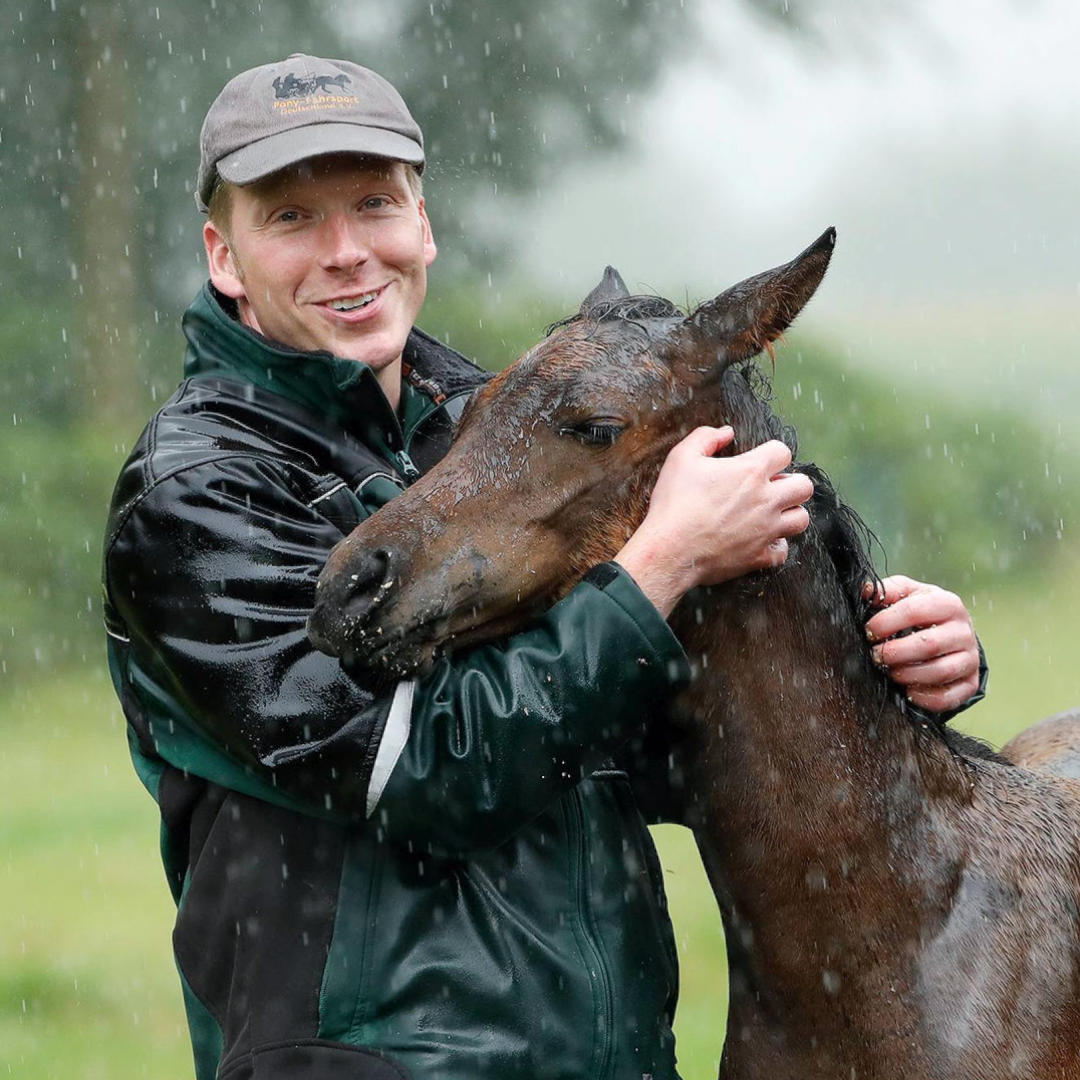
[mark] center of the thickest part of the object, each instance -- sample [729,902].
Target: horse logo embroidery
[293,86]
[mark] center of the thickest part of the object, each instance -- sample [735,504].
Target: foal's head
[552,466]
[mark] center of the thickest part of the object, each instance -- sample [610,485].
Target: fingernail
[877,652]
[869,634]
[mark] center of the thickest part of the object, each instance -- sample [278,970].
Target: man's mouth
[351,303]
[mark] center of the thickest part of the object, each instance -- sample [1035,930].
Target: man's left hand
[937,659]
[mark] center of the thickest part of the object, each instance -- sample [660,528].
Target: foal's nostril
[366,586]
[348,600]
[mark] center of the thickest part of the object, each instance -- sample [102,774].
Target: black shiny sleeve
[213,576]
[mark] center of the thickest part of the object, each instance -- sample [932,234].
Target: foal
[897,901]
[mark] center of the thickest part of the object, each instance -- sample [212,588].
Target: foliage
[102,105]
[956,495]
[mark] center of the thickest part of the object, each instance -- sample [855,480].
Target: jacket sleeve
[947,715]
[213,575]
[501,732]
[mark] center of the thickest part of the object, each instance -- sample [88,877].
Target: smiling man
[328,254]
[379,881]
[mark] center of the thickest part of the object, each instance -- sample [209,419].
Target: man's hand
[937,662]
[711,519]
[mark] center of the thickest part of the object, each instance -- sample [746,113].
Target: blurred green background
[936,389]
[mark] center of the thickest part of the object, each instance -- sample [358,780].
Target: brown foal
[898,901]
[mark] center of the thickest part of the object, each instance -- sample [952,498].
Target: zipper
[595,962]
[407,467]
[405,464]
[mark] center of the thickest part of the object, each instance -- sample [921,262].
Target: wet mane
[847,540]
[635,309]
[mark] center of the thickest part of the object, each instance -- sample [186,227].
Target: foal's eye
[598,432]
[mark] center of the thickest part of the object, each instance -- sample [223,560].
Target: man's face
[331,254]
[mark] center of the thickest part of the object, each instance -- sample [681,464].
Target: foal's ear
[746,318]
[611,287]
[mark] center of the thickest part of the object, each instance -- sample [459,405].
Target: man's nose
[345,243]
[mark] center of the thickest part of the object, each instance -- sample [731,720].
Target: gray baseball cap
[278,114]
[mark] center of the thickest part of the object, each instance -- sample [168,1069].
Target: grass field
[87,987]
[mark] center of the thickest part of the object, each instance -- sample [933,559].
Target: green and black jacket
[442,880]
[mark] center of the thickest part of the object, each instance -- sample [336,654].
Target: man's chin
[378,352]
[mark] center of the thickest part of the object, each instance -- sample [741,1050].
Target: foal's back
[1052,745]
[999,977]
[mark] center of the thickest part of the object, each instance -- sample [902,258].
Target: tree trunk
[105,218]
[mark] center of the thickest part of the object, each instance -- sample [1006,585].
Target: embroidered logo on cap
[311,93]
[293,86]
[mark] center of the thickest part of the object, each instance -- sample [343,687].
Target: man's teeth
[353,301]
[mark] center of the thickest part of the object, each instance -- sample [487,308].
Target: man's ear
[224,272]
[430,250]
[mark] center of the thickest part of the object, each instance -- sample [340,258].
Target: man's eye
[287,216]
[600,432]
[376,202]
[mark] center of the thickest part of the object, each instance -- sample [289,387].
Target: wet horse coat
[897,901]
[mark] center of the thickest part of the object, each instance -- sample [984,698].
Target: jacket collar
[346,392]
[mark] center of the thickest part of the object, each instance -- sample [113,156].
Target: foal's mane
[846,538]
[632,309]
[848,541]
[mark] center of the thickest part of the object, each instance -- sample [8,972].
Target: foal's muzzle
[348,602]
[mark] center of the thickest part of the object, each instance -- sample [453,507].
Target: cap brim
[259,159]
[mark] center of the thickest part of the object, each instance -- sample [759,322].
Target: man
[355,901]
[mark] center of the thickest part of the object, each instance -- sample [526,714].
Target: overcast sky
[943,146]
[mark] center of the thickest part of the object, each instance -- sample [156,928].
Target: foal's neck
[805,768]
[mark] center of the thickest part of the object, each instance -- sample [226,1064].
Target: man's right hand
[712,519]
